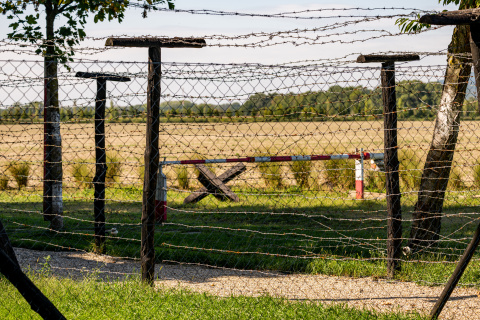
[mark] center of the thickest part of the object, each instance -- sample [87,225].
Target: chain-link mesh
[288,229]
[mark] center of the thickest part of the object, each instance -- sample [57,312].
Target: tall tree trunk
[427,214]
[53,202]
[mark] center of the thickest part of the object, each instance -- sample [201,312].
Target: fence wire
[295,231]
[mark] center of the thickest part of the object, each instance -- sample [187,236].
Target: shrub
[83,174]
[302,171]
[182,177]
[340,174]
[271,172]
[476,175]
[375,180]
[455,181]
[4,182]
[410,170]
[114,168]
[20,172]
[141,172]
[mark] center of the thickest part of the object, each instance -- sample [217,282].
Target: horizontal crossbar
[366,156]
[156,42]
[101,76]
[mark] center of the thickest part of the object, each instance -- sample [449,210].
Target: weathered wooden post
[394,209]
[151,148]
[469,17]
[100,153]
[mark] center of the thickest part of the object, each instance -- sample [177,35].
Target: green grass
[92,299]
[267,230]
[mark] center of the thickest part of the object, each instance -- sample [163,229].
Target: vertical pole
[394,210]
[161,196]
[151,165]
[359,177]
[100,166]
[47,188]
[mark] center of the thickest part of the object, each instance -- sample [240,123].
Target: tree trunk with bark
[427,215]
[53,201]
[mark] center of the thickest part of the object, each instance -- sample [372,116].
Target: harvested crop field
[220,140]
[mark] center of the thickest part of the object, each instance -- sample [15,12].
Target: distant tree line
[415,101]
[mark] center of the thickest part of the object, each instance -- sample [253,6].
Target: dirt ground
[375,294]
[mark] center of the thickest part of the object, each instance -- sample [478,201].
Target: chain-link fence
[243,218]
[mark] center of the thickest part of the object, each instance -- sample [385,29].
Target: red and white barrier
[359,176]
[161,197]
[364,155]
[161,192]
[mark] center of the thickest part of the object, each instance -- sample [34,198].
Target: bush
[476,175]
[302,171]
[340,174]
[375,180]
[271,172]
[4,182]
[141,172]
[114,168]
[20,172]
[410,170]
[83,174]
[455,181]
[182,177]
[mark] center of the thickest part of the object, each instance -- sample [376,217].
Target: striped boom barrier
[364,155]
[161,192]
[359,187]
[161,196]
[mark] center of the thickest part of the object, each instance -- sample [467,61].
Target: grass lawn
[91,299]
[288,230]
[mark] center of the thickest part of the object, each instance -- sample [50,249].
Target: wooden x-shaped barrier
[215,185]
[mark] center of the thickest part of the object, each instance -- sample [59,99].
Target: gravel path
[381,295]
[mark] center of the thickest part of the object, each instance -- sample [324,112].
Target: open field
[218,140]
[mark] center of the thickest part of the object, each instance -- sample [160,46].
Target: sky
[172,24]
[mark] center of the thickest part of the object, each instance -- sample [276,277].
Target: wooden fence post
[152,132]
[394,209]
[100,154]
[151,165]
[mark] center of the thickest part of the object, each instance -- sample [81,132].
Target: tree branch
[66,6]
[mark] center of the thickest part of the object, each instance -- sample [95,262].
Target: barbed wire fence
[238,216]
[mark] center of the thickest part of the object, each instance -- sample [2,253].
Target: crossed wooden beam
[215,185]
